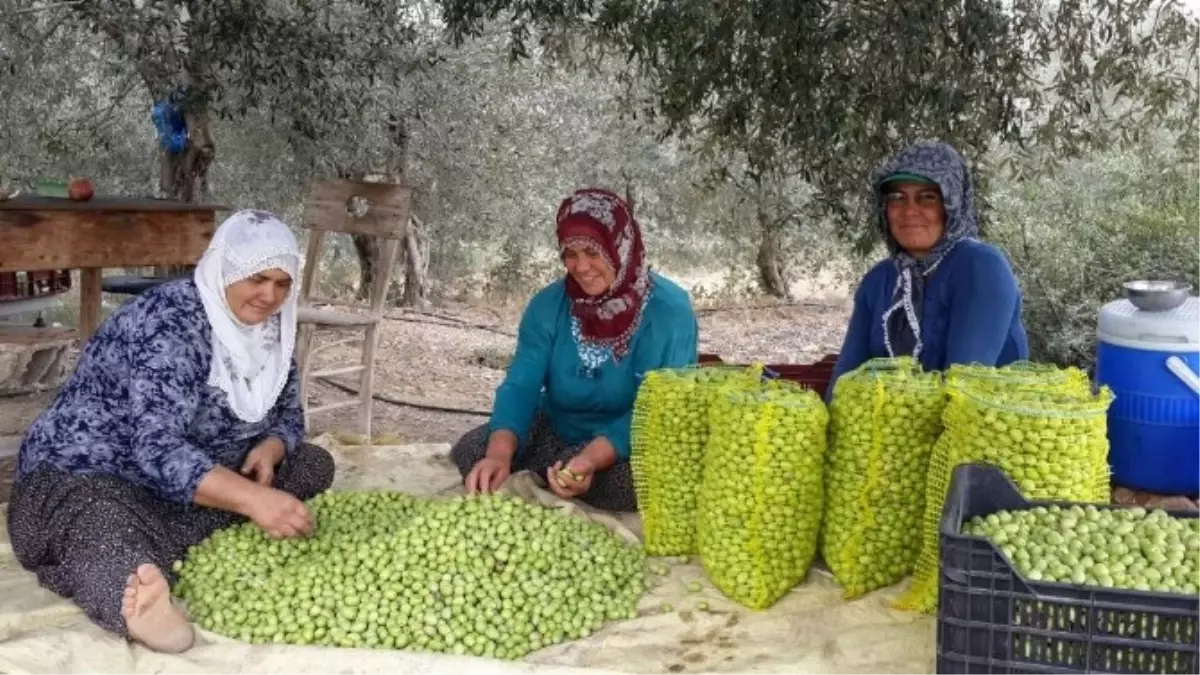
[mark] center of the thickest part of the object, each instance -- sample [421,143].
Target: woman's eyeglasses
[922,198]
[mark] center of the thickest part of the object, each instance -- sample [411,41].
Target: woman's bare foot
[149,615]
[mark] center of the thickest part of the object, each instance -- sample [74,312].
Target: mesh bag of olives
[483,575]
[669,434]
[1024,374]
[1041,425]
[884,419]
[760,501]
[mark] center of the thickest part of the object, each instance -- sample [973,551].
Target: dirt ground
[452,358]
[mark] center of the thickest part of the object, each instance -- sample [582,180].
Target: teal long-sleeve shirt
[547,374]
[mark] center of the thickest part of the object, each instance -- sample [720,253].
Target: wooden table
[42,233]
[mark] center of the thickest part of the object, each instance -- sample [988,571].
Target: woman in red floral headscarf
[563,411]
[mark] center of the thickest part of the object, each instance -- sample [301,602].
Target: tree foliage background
[743,132]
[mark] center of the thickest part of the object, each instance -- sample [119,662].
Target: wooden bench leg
[90,281]
[367,380]
[304,338]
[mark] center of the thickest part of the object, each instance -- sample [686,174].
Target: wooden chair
[379,210]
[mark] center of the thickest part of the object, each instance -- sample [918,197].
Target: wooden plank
[26,335]
[383,277]
[316,301]
[89,302]
[332,372]
[329,317]
[303,360]
[327,208]
[96,204]
[366,397]
[41,240]
[312,262]
[333,406]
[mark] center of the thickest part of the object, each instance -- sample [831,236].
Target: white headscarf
[249,363]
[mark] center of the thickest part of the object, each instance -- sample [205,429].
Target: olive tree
[312,62]
[822,91]
[317,69]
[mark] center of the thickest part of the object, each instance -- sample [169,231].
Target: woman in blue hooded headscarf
[943,296]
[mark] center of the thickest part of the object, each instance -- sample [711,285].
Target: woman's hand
[280,515]
[261,461]
[488,475]
[575,478]
[572,479]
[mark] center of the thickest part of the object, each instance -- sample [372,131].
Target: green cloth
[901,177]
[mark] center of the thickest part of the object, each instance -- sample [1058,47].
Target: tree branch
[406,404]
[450,323]
[41,8]
[130,36]
[703,311]
[98,120]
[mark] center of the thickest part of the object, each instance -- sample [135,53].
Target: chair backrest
[333,206]
[379,210]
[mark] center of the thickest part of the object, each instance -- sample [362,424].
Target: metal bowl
[1156,296]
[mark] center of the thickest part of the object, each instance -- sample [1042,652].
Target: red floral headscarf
[601,220]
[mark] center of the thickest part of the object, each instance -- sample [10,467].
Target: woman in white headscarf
[183,416]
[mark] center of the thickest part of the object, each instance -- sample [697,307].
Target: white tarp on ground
[812,630]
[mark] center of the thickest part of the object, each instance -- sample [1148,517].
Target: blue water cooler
[1150,361]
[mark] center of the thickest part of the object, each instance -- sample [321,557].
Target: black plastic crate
[992,620]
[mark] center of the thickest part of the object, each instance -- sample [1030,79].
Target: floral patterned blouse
[139,407]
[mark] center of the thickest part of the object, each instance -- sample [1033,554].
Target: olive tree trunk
[772,276]
[183,176]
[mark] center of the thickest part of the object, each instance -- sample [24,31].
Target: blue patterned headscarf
[941,164]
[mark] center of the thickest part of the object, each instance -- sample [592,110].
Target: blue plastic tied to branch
[170,124]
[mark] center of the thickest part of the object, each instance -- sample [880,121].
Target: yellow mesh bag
[1029,374]
[669,432]
[760,502]
[884,419]
[1039,423]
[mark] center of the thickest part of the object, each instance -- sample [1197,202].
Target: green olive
[481,575]
[1065,555]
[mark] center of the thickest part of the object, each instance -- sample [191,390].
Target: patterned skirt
[83,535]
[612,489]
